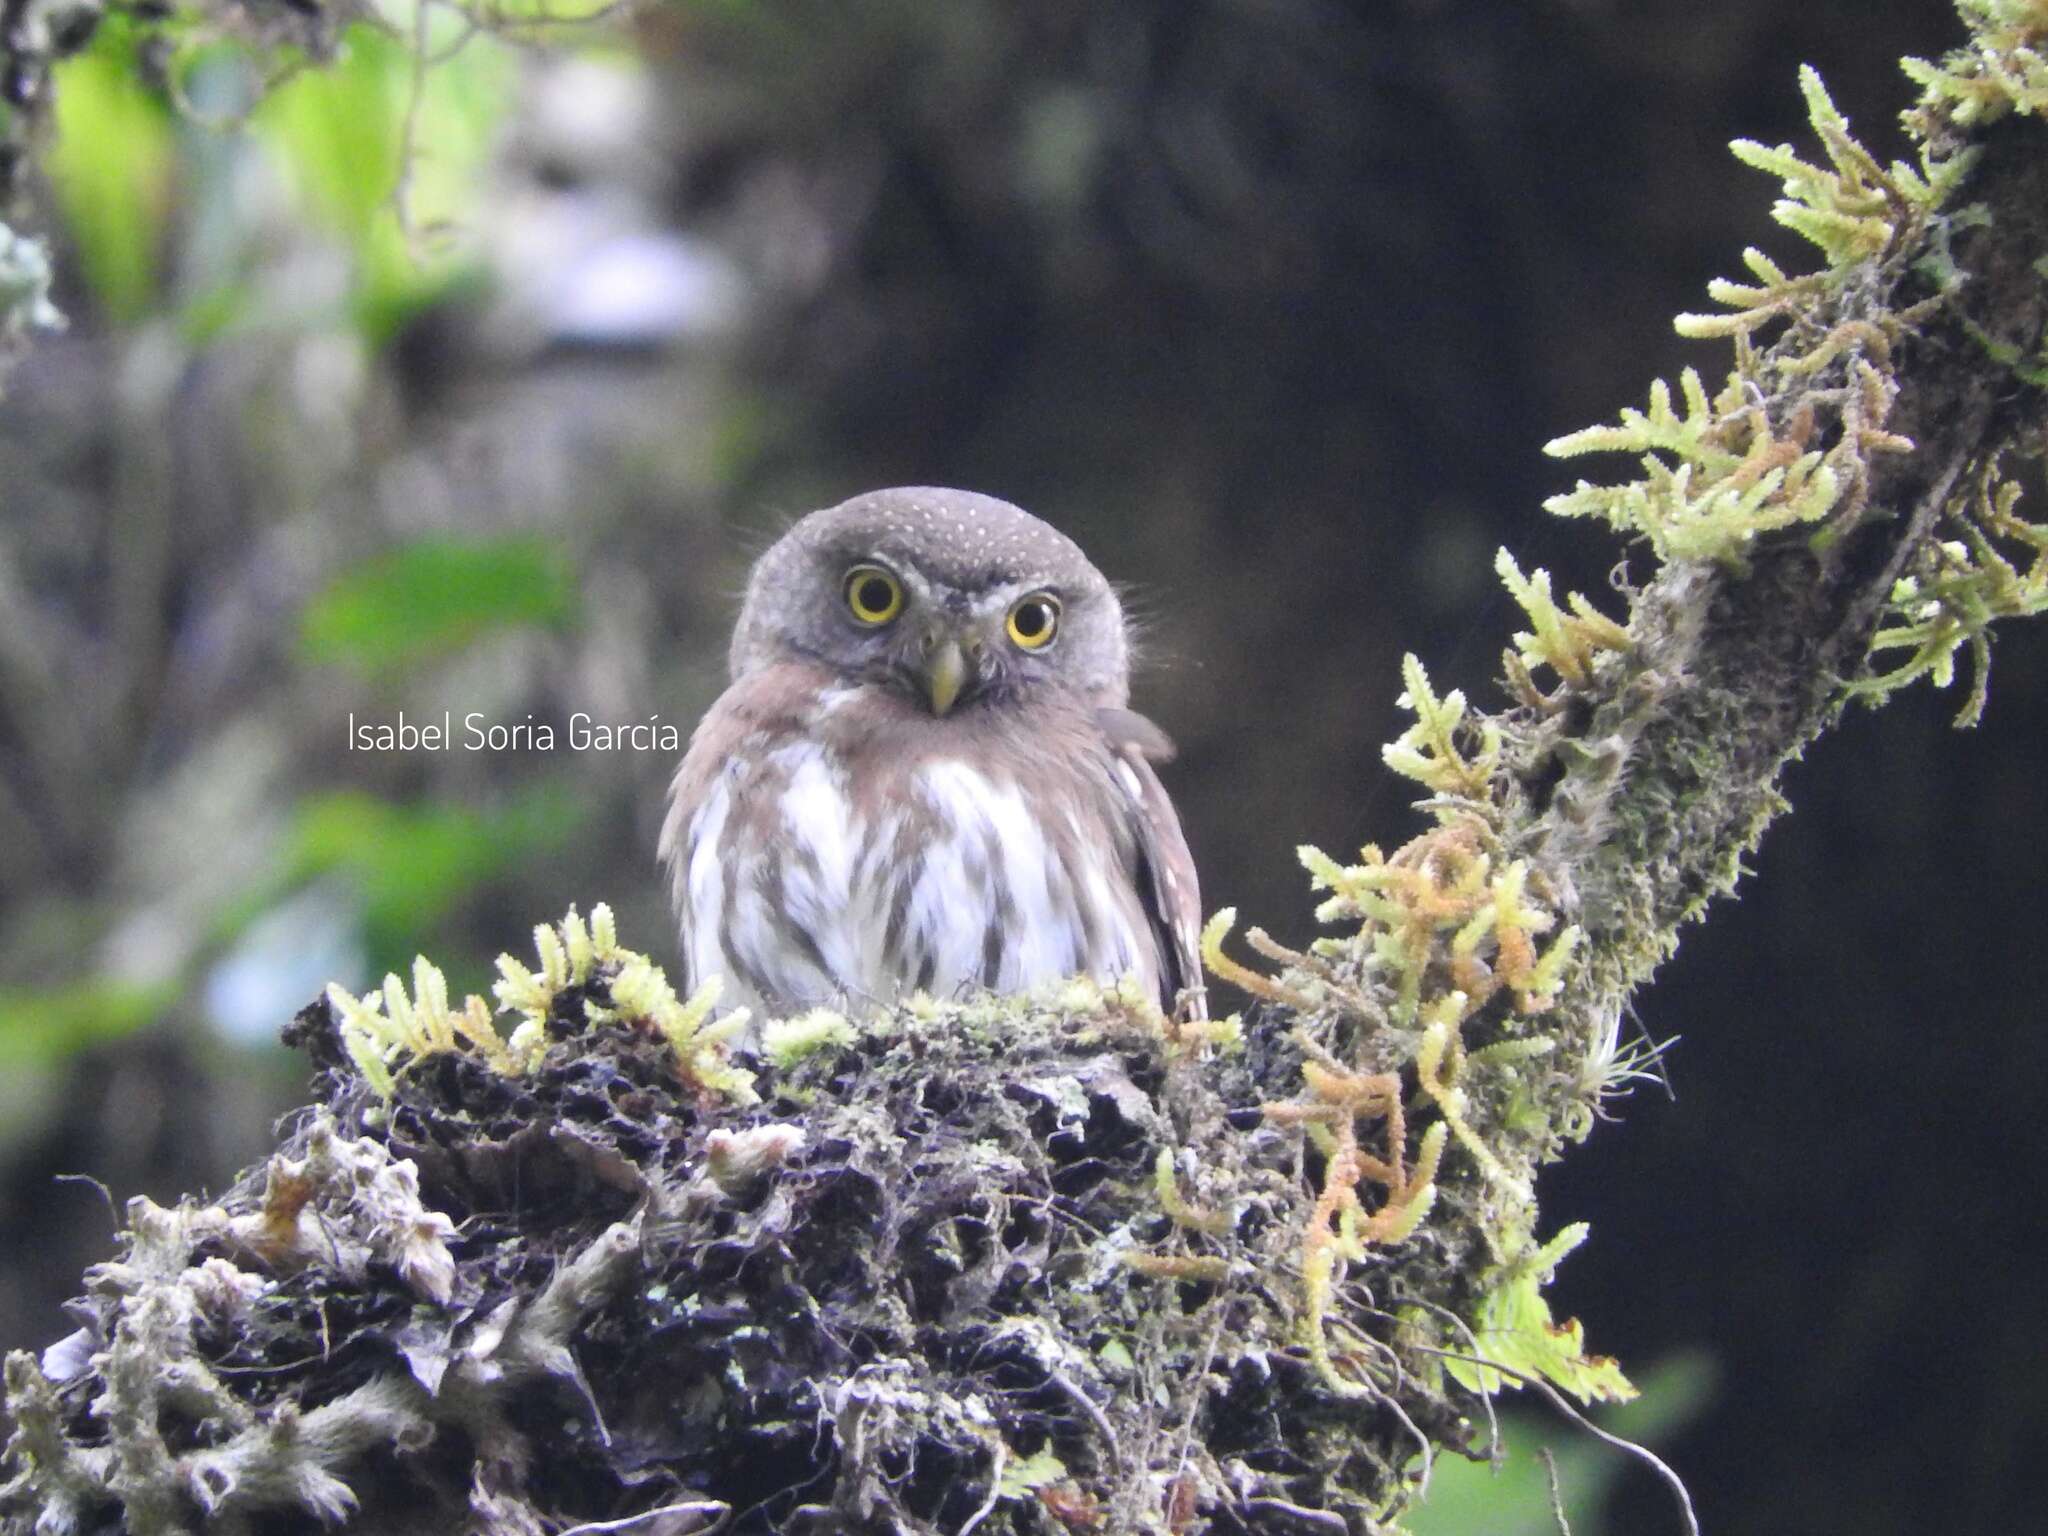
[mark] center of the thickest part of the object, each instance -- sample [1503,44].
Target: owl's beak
[946,674]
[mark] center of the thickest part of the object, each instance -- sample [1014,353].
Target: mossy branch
[1841,496]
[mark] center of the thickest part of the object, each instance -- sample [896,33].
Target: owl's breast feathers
[832,843]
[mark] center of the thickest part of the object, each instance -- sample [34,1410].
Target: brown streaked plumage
[925,775]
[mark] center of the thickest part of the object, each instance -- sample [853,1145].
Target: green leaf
[111,171]
[1515,1329]
[432,598]
[41,1026]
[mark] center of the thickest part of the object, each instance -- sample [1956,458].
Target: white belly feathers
[792,891]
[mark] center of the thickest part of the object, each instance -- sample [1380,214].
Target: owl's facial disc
[873,590]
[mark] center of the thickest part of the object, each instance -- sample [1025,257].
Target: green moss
[583,969]
[1430,751]
[2004,72]
[1997,569]
[789,1041]
[1716,478]
[1613,809]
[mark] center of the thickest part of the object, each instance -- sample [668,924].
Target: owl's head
[954,597]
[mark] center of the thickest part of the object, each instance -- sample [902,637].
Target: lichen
[177,1438]
[25,277]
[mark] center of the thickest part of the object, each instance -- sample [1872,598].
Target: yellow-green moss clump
[582,966]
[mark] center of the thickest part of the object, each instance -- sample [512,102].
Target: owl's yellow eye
[1034,621]
[873,595]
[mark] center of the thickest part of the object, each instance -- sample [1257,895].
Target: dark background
[1272,305]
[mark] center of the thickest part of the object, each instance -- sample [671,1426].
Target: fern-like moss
[388,1032]
[2005,70]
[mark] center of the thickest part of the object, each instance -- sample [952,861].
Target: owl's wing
[1167,883]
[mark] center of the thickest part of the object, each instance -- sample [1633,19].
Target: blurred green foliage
[112,170]
[380,132]
[411,863]
[1513,1499]
[42,1025]
[432,597]
[375,148]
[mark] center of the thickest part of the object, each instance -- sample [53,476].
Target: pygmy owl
[924,776]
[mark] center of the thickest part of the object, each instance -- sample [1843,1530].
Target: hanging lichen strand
[1057,1262]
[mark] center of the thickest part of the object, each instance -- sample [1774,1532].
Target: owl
[925,776]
